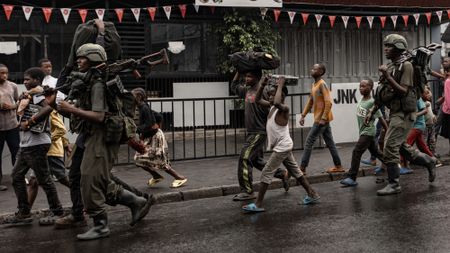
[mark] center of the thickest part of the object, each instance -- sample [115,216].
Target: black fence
[212,127]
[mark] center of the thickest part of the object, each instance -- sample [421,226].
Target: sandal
[178,182]
[310,200]
[244,196]
[252,208]
[153,181]
[335,169]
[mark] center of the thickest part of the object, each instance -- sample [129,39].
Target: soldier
[397,92]
[88,116]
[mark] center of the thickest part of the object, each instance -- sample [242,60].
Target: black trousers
[12,139]
[364,142]
[251,157]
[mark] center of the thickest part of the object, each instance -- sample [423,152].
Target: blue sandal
[252,208]
[309,201]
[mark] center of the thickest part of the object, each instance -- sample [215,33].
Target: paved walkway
[206,178]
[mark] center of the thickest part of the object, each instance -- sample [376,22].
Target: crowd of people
[33,129]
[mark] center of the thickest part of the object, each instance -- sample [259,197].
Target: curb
[215,191]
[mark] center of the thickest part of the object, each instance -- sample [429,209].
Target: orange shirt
[320,101]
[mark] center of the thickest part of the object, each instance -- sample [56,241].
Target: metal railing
[212,127]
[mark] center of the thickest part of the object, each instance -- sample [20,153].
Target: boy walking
[280,141]
[320,101]
[366,132]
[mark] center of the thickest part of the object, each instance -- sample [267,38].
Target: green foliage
[242,30]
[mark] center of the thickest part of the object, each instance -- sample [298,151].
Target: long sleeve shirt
[320,101]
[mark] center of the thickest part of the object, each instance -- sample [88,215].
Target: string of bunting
[65,12]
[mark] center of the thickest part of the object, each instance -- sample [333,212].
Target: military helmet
[92,52]
[396,40]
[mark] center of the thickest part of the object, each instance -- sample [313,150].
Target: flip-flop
[179,182]
[308,200]
[335,170]
[243,196]
[153,181]
[252,208]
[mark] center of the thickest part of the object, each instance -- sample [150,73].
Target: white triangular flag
[100,13]
[394,20]
[416,17]
[345,19]
[370,19]
[439,14]
[263,12]
[196,7]
[65,13]
[291,16]
[318,19]
[136,13]
[167,10]
[27,11]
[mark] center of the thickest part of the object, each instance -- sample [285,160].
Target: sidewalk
[206,178]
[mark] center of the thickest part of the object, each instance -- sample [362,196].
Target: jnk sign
[345,99]
[241,3]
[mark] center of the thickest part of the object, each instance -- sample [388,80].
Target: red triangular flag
[358,21]
[8,10]
[305,18]
[332,19]
[448,13]
[213,8]
[405,19]
[119,13]
[152,12]
[383,21]
[428,17]
[276,14]
[182,9]
[47,14]
[83,14]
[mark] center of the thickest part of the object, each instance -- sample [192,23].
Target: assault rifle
[110,70]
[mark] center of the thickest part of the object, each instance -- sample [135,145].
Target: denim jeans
[325,131]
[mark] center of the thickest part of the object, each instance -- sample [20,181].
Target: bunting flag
[83,14]
[439,14]
[291,16]
[8,10]
[100,13]
[196,7]
[27,11]
[119,13]
[394,20]
[263,12]
[345,19]
[182,10]
[276,14]
[305,18]
[428,15]
[65,12]
[136,12]
[358,21]
[370,20]
[167,10]
[417,17]
[332,19]
[318,19]
[47,13]
[405,19]
[152,12]
[383,21]
[448,13]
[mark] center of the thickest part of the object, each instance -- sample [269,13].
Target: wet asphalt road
[346,220]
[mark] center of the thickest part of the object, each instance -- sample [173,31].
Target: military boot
[100,229]
[390,189]
[139,206]
[427,162]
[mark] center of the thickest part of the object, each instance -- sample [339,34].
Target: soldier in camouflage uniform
[88,116]
[396,92]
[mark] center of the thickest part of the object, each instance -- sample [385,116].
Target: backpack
[120,124]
